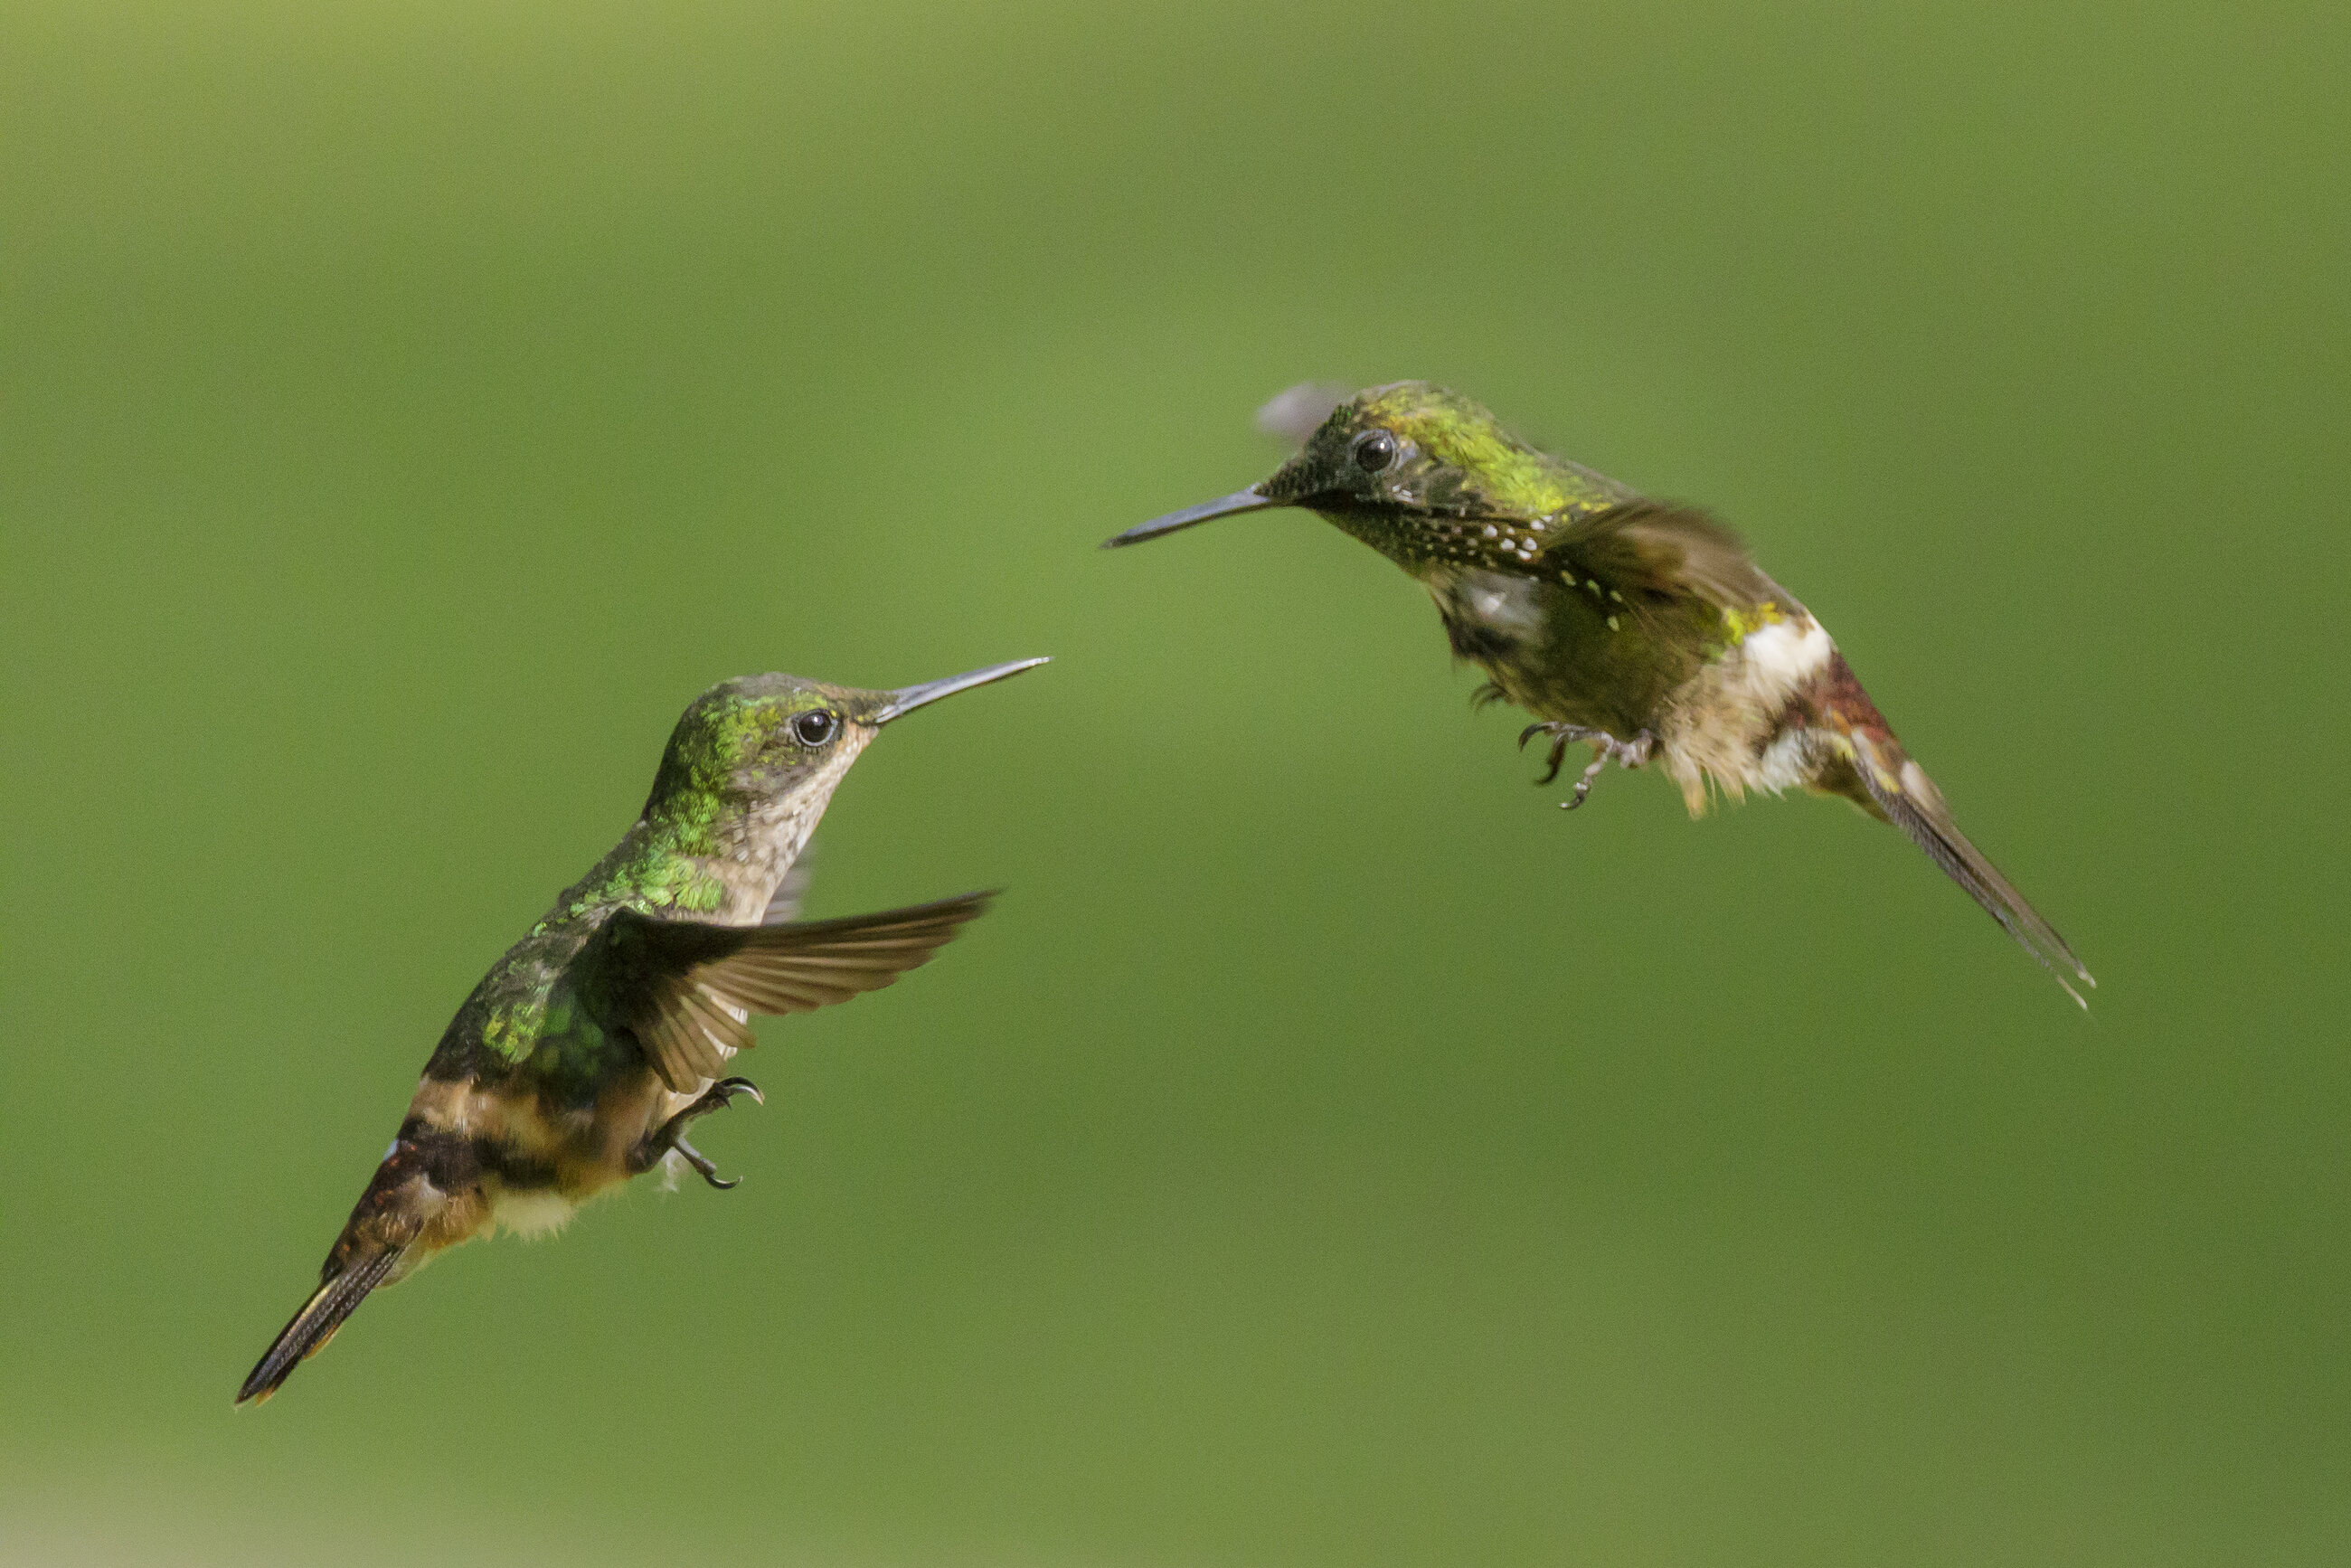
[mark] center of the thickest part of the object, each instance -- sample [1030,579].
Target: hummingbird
[1640,628]
[587,1052]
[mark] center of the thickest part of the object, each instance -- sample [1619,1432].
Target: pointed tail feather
[316,1324]
[1901,789]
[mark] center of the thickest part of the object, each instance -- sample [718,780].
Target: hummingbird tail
[1901,790]
[1863,763]
[335,1298]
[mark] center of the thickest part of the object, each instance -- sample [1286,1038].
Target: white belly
[539,1211]
[1725,727]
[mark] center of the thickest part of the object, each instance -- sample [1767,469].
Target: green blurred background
[1328,1154]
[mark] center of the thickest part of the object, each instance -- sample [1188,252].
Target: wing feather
[689,988]
[1664,548]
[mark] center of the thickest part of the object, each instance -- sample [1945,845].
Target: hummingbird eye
[1374,450]
[815,727]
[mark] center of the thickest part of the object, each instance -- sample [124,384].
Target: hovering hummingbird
[1640,628]
[586,1052]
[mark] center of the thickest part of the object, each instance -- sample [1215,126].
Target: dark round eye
[1374,450]
[814,728]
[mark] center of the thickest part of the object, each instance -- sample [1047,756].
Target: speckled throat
[1415,539]
[755,849]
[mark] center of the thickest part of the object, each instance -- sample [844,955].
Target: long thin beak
[1247,500]
[906,699]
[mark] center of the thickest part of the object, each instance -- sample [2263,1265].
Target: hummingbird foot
[703,1163]
[1604,747]
[670,1135]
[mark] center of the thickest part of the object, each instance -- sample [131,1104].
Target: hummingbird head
[769,750]
[1400,466]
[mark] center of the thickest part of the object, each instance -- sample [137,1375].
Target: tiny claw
[739,1085]
[703,1163]
[672,1134]
[1561,735]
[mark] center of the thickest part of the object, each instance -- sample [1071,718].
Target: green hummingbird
[1640,628]
[585,1053]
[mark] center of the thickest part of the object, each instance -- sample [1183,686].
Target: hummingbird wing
[1298,411]
[687,990]
[1664,548]
[785,902]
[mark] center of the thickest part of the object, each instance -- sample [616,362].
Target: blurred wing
[1658,547]
[689,989]
[790,891]
[1299,413]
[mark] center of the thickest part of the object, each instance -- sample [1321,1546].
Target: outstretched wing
[1664,548]
[688,990]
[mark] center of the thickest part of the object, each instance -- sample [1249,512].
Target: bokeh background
[1329,1152]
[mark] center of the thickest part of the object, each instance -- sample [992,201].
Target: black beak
[1249,500]
[906,699]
